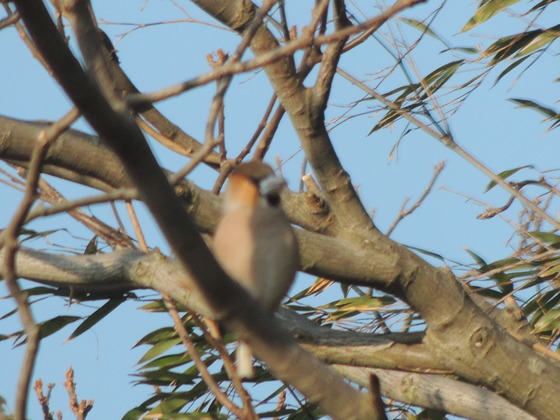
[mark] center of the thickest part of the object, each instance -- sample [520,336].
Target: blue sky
[487,125]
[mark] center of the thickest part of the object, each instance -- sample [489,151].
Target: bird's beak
[271,185]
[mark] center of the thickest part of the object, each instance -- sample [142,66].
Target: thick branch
[439,393]
[123,271]
[76,153]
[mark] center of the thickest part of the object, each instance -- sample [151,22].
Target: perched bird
[254,242]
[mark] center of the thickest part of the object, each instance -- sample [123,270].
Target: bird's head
[253,184]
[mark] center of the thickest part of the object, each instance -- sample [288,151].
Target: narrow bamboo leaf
[486,11]
[156,306]
[541,5]
[159,348]
[424,29]
[547,301]
[509,45]
[363,303]
[549,238]
[466,50]
[443,73]
[504,175]
[510,68]
[503,282]
[426,252]
[168,362]
[55,324]
[157,336]
[549,270]
[97,316]
[391,116]
[526,103]
[33,234]
[548,322]
[8,314]
[541,39]
[91,247]
[477,258]
[489,293]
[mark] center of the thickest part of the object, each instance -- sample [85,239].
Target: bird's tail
[244,361]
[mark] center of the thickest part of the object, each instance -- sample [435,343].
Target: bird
[255,243]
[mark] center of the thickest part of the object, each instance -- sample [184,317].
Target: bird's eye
[273,199]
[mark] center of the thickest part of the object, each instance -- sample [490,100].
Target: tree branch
[108,116]
[438,393]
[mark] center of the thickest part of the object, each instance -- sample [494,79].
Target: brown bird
[255,243]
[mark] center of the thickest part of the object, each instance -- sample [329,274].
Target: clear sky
[487,125]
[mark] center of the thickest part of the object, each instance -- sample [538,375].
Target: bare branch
[438,393]
[266,58]
[403,213]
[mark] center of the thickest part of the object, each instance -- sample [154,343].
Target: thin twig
[113,237]
[406,212]
[10,20]
[213,387]
[228,363]
[260,127]
[307,39]
[66,206]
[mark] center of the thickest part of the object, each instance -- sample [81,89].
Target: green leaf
[155,306]
[480,261]
[134,414]
[417,92]
[159,348]
[509,45]
[97,316]
[168,362]
[486,11]
[540,39]
[510,68]
[526,103]
[424,29]
[55,324]
[466,50]
[548,322]
[549,238]
[504,175]
[91,247]
[168,406]
[549,270]
[8,314]
[363,303]
[426,252]
[546,301]
[437,78]
[542,5]
[156,336]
